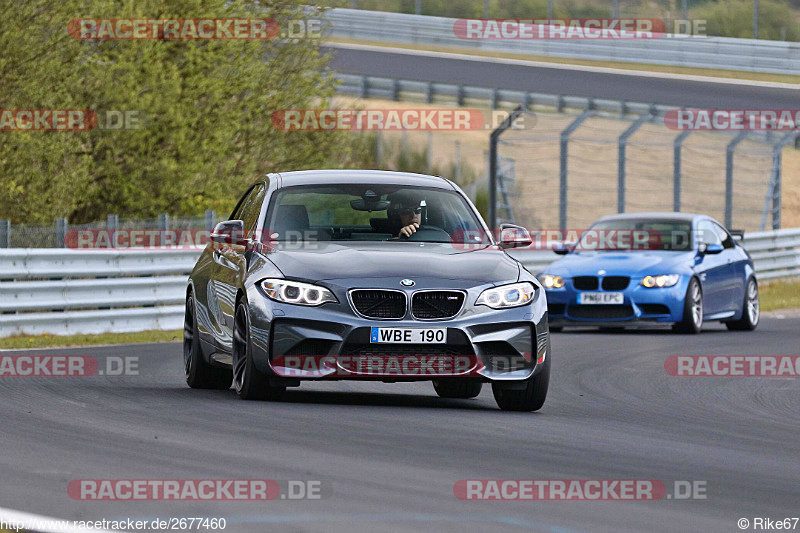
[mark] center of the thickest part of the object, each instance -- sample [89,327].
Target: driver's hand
[408,230]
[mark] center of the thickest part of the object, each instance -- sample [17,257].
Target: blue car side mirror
[562,248]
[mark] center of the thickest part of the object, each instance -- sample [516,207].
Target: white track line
[563,66]
[39,523]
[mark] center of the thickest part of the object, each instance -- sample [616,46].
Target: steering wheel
[428,232]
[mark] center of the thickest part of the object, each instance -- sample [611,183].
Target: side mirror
[513,236]
[710,249]
[229,232]
[563,248]
[737,234]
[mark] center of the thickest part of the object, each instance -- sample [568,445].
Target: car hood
[621,264]
[332,261]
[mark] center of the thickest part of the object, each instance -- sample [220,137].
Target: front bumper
[332,342]
[641,306]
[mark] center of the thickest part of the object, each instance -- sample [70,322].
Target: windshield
[370,213]
[637,234]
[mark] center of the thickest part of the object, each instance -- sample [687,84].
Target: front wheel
[528,395]
[199,373]
[692,310]
[750,309]
[249,382]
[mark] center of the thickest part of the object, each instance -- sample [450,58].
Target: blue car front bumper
[640,305]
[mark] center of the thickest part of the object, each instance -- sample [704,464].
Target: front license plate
[408,335]
[613,298]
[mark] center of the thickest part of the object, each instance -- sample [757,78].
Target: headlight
[506,296]
[294,292]
[551,282]
[664,280]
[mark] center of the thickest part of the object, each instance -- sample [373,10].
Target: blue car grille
[600,312]
[609,283]
[616,283]
[585,283]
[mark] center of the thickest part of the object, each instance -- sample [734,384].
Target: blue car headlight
[505,296]
[295,292]
[660,281]
[551,281]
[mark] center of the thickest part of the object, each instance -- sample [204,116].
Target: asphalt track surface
[391,453]
[569,82]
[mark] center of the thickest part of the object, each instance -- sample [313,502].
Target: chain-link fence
[62,234]
[571,169]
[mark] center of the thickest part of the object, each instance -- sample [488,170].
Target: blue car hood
[624,264]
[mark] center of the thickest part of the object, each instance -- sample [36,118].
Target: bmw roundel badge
[407,282]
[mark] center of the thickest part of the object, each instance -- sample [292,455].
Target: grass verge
[667,69]
[56,341]
[779,295]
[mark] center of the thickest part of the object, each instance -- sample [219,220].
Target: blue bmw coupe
[653,268]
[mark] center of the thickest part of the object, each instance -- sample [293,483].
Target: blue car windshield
[637,235]
[372,213]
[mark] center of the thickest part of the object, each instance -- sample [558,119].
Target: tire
[556,329]
[692,322]
[199,373]
[462,388]
[751,312]
[529,398]
[249,382]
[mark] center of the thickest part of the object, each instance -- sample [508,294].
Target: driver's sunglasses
[406,211]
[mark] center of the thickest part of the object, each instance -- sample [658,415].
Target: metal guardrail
[62,292]
[430,92]
[776,254]
[751,55]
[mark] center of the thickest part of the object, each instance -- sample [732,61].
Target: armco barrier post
[676,169]
[211,215]
[61,232]
[564,138]
[623,140]
[163,222]
[729,152]
[112,225]
[5,234]
[493,139]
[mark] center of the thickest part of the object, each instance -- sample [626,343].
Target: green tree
[208,105]
[734,18]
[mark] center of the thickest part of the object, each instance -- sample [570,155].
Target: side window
[237,211]
[724,236]
[252,207]
[707,234]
